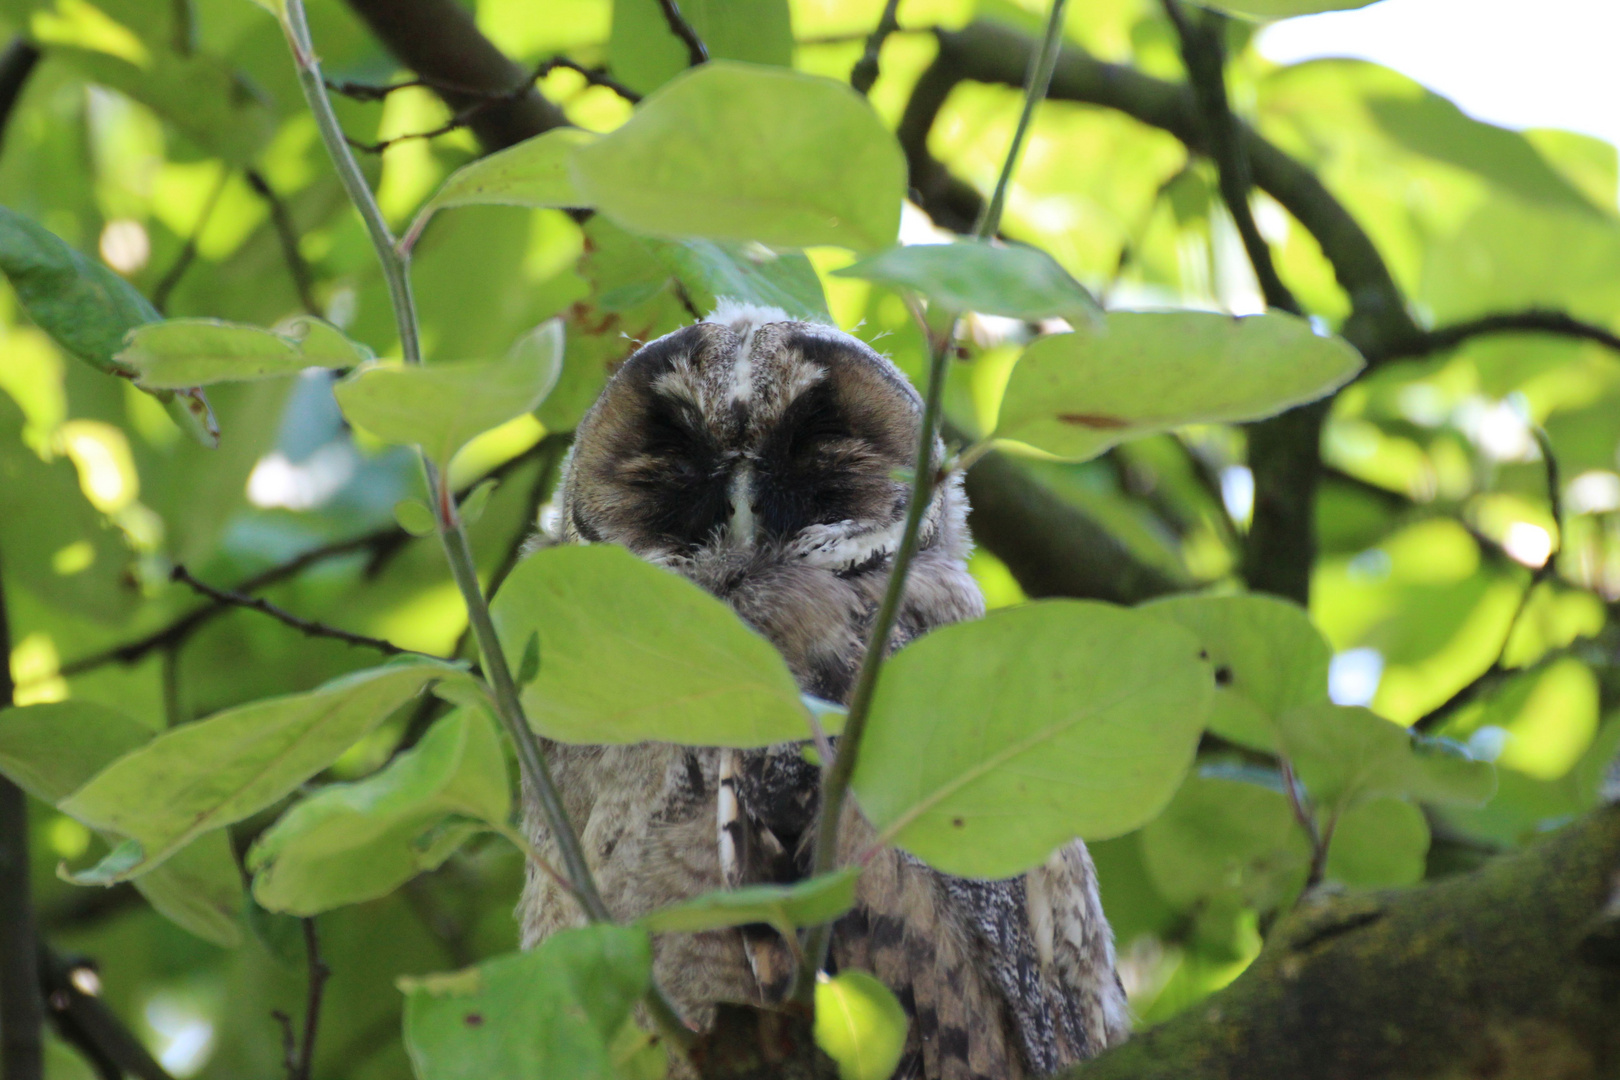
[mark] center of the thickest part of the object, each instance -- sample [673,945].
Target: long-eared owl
[763,458]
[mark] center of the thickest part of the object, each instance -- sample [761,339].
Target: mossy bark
[1511,972]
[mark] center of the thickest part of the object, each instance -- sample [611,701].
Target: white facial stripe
[742,527]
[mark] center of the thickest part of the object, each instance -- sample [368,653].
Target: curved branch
[1533,321]
[696,52]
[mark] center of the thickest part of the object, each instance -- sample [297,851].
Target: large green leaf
[860,1025]
[1075,395]
[712,270]
[785,907]
[532,173]
[1268,657]
[50,750]
[217,771]
[1018,282]
[630,652]
[551,1012]
[359,841]
[86,309]
[1223,835]
[196,352]
[1379,844]
[645,53]
[1283,9]
[1346,755]
[993,742]
[442,407]
[734,151]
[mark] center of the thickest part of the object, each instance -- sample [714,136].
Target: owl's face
[748,433]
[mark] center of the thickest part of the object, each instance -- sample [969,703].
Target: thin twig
[696,52]
[452,530]
[287,234]
[1203,51]
[318,974]
[188,251]
[1533,321]
[1437,716]
[1299,803]
[22,1012]
[307,626]
[289,1043]
[1037,81]
[866,70]
[925,475]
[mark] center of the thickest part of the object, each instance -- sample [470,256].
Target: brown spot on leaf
[1094,420]
[958,822]
[474,1019]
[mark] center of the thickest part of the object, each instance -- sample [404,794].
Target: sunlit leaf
[214,772]
[633,652]
[359,841]
[442,407]
[86,309]
[1075,395]
[1378,844]
[555,1011]
[1018,282]
[532,173]
[1282,9]
[785,907]
[1345,755]
[196,352]
[1268,657]
[734,151]
[860,1025]
[993,742]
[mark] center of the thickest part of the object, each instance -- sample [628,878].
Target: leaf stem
[452,532]
[1036,83]
[835,782]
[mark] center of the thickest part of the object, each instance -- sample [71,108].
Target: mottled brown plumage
[763,458]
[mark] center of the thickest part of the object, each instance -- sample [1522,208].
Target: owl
[764,458]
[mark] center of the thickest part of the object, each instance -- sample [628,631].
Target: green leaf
[971,275]
[532,173]
[197,352]
[1282,9]
[712,270]
[203,96]
[415,517]
[1075,395]
[785,907]
[634,652]
[1223,835]
[442,407]
[993,742]
[860,1025]
[1268,657]
[472,507]
[51,750]
[556,1011]
[217,771]
[1378,844]
[355,842]
[733,151]
[645,53]
[86,309]
[1347,755]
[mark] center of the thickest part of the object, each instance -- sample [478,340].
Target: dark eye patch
[810,467]
[680,474]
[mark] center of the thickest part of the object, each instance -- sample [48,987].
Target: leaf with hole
[555,1011]
[742,152]
[860,1025]
[993,742]
[1268,657]
[354,842]
[972,275]
[442,407]
[197,352]
[784,907]
[634,652]
[217,771]
[1137,372]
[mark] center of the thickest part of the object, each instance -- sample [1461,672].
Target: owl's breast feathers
[1000,979]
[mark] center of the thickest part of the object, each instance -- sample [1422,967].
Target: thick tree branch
[85,1022]
[439,41]
[1508,972]
[865,72]
[16,64]
[1534,321]
[22,1014]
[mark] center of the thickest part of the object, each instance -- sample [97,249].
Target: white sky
[1518,63]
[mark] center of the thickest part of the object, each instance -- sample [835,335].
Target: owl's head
[750,432]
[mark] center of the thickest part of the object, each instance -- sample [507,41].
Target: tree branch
[84,1021]
[696,52]
[1507,971]
[1534,321]
[16,64]
[22,1013]
[287,233]
[439,41]
[318,974]
[865,72]
[307,626]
